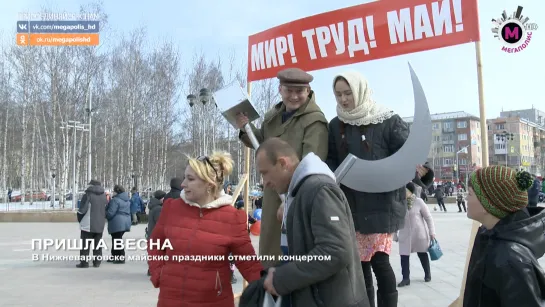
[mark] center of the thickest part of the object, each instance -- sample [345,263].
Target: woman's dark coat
[372,212]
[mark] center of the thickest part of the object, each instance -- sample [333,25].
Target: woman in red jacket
[200,224]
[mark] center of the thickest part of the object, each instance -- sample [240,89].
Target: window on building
[437,138]
[461,125]
[447,125]
[448,148]
[500,126]
[435,126]
[462,161]
[462,137]
[499,146]
[447,137]
[478,125]
[448,161]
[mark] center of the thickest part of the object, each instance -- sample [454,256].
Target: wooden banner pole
[484,160]
[240,186]
[247,158]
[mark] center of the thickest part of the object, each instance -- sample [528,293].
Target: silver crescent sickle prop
[396,170]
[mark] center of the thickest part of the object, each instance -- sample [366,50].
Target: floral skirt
[369,244]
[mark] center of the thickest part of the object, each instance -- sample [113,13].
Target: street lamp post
[206,99]
[89,111]
[462,150]
[505,137]
[76,125]
[53,175]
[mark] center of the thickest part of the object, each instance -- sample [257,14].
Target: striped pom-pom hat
[500,189]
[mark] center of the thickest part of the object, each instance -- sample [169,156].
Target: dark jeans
[463,204]
[405,264]
[97,251]
[117,253]
[441,203]
[386,279]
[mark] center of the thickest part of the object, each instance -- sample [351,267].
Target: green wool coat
[306,131]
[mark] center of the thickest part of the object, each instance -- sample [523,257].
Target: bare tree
[142,126]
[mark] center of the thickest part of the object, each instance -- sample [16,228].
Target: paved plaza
[49,284]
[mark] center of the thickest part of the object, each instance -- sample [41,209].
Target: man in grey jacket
[325,268]
[92,219]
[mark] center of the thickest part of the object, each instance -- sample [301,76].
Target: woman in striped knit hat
[503,269]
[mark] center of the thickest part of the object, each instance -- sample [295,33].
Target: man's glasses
[205,159]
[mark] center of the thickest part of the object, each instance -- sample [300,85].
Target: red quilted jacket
[215,229]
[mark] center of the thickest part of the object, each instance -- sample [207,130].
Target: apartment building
[517,142]
[456,135]
[534,115]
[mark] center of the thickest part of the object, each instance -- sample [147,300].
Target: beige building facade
[517,142]
[456,145]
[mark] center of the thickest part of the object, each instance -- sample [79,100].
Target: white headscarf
[366,112]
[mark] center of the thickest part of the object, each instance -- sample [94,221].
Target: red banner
[362,33]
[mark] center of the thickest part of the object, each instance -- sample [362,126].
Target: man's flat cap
[294,77]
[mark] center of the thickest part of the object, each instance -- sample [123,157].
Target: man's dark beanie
[159,194]
[176,183]
[94,182]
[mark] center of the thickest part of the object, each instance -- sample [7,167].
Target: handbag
[435,250]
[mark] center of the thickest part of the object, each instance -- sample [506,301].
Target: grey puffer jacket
[372,212]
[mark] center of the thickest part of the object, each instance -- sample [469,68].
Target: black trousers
[117,253]
[463,204]
[97,249]
[441,203]
[405,264]
[386,279]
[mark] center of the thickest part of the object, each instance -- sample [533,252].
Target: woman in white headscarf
[371,132]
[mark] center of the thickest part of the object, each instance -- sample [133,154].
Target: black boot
[82,265]
[387,300]
[405,271]
[371,296]
[425,261]
[96,264]
[404,282]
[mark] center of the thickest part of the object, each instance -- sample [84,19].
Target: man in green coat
[299,121]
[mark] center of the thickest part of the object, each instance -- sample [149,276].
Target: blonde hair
[214,168]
